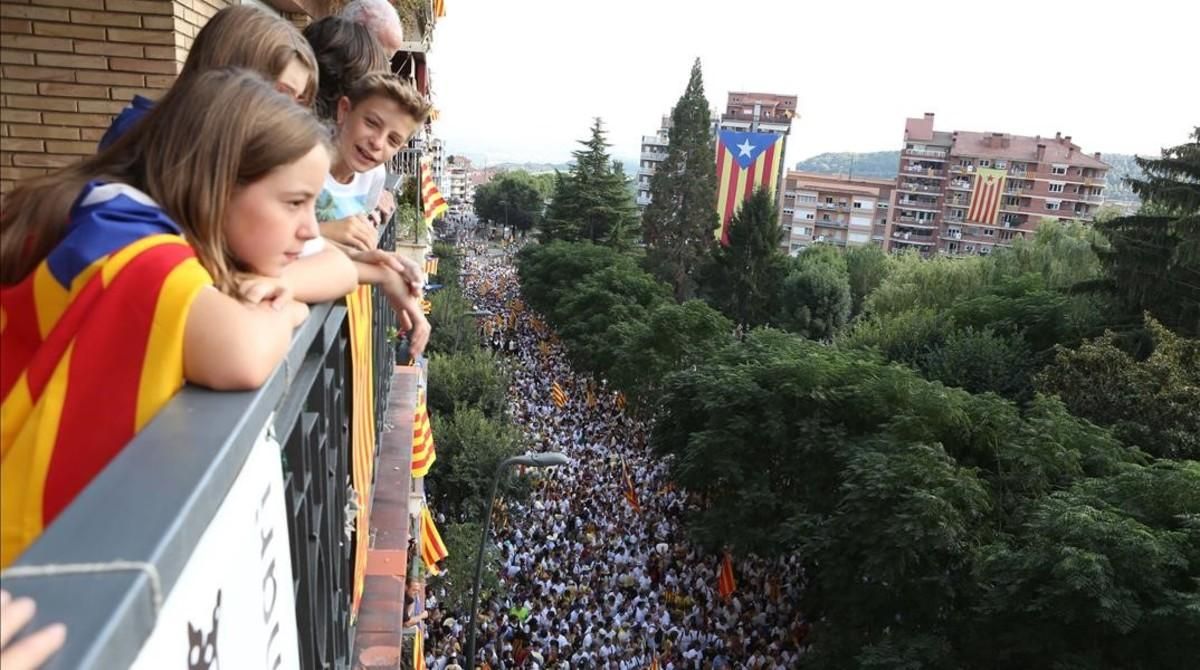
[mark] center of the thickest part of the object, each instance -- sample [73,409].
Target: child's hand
[355,232]
[412,274]
[259,290]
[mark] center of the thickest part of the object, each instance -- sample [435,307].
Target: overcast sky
[520,80]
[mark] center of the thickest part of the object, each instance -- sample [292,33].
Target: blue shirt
[128,118]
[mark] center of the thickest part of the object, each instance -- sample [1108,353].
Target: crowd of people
[597,570]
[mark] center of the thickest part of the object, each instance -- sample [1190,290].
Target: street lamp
[542,460]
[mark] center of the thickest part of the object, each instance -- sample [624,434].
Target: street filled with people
[597,569]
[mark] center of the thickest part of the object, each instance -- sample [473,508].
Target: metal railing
[109,565]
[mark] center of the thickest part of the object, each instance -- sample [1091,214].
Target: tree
[591,202]
[510,198]
[1152,263]
[471,378]
[454,329]
[551,272]
[470,446]
[679,224]
[462,543]
[1152,403]
[742,279]
[815,296]
[867,267]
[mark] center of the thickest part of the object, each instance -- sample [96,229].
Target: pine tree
[592,202]
[743,279]
[1153,264]
[679,224]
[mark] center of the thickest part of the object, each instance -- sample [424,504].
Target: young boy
[374,121]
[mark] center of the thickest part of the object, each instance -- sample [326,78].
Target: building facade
[833,209]
[761,113]
[459,189]
[654,152]
[1043,178]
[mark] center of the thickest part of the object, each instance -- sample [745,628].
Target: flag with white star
[745,161]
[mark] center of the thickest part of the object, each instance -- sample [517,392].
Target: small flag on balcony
[431,265]
[725,582]
[426,306]
[423,451]
[985,196]
[432,202]
[745,161]
[558,395]
[433,550]
[630,492]
[439,8]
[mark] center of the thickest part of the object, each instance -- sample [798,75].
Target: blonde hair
[384,85]
[210,134]
[248,37]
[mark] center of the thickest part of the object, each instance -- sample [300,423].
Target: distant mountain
[532,168]
[883,164]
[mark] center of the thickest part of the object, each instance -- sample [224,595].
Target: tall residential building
[833,209]
[761,113]
[1037,178]
[654,151]
[459,191]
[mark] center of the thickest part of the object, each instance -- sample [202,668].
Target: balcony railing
[227,509]
[930,153]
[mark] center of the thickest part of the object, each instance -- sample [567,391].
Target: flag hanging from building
[432,202]
[419,649]
[630,492]
[433,550]
[558,395]
[439,8]
[725,582]
[745,161]
[423,451]
[985,197]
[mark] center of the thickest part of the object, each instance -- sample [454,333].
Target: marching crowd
[597,570]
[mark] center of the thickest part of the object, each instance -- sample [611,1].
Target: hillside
[883,164]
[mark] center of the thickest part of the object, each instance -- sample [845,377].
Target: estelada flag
[92,347]
[433,550]
[725,582]
[424,452]
[745,161]
[985,196]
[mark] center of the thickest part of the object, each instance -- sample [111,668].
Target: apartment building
[654,152]
[965,193]
[833,209]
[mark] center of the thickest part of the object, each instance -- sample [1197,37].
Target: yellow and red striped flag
[725,582]
[431,265]
[432,202]
[426,306]
[433,550]
[439,8]
[985,196]
[745,161]
[591,398]
[619,401]
[558,395]
[630,492]
[419,649]
[424,452]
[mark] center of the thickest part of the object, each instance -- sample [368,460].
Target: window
[1058,169]
[983,162]
[808,198]
[1056,187]
[828,200]
[1052,205]
[824,217]
[802,230]
[988,232]
[857,204]
[1006,234]
[810,216]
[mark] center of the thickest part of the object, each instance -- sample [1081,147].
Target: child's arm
[327,275]
[353,232]
[234,346]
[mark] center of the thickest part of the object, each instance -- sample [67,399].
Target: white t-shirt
[359,196]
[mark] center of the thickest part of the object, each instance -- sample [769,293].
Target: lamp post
[542,460]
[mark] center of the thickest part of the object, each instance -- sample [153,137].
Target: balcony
[914,222]
[923,171]
[914,187]
[247,502]
[832,224]
[931,154]
[919,205]
[656,156]
[643,199]
[959,185]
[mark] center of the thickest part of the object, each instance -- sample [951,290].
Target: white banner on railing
[233,605]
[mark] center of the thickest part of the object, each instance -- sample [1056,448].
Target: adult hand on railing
[354,232]
[32,651]
[387,203]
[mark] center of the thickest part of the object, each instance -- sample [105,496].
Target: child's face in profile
[371,132]
[268,221]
